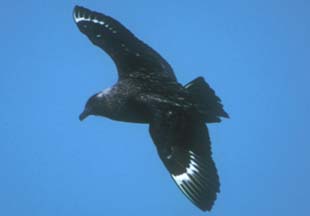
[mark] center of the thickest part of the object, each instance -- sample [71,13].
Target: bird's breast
[128,110]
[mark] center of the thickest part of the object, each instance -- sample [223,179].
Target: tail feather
[208,103]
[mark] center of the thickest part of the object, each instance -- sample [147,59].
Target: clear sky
[255,54]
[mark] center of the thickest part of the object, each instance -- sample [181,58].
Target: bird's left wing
[132,57]
[183,145]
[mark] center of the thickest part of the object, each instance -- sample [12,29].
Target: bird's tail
[206,100]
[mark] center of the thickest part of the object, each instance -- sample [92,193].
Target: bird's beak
[84,114]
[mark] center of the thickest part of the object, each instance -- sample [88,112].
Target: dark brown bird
[147,91]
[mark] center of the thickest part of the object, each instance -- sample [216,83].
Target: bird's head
[96,105]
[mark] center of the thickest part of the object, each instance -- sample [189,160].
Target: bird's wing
[132,57]
[183,145]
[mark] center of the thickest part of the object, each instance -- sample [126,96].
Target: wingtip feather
[196,183]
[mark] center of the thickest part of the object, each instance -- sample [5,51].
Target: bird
[147,92]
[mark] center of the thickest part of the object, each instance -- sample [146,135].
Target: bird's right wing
[183,145]
[132,57]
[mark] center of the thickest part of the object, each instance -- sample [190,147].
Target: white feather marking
[181,178]
[190,171]
[95,21]
[79,18]
[104,92]
[189,85]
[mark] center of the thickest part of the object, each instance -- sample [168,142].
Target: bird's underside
[147,91]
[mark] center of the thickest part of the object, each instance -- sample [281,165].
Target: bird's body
[147,91]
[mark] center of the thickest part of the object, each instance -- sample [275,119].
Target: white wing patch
[190,171]
[78,17]
[191,182]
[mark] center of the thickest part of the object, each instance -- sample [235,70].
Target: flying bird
[147,91]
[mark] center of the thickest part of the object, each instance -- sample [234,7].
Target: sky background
[255,54]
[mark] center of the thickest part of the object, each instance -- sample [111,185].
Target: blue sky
[255,54]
